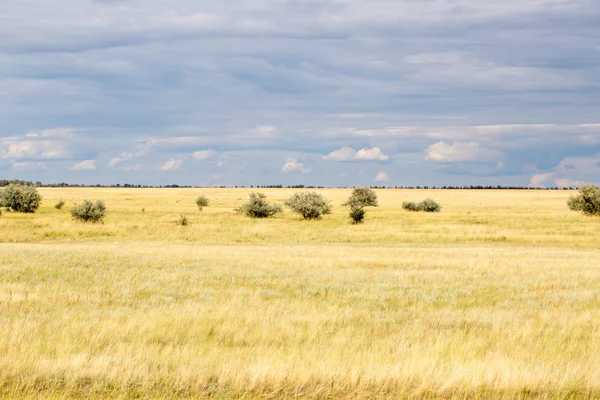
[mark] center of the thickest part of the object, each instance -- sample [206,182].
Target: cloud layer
[318,92]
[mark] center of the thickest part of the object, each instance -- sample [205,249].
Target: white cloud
[172,165]
[175,142]
[540,180]
[371,154]
[115,161]
[58,133]
[15,149]
[293,165]
[469,69]
[86,165]
[460,151]
[563,182]
[204,154]
[382,177]
[29,166]
[136,167]
[262,131]
[349,154]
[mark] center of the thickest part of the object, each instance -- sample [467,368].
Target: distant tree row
[6,182]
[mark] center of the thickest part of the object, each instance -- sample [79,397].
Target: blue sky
[322,92]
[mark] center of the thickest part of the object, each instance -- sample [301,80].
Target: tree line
[6,182]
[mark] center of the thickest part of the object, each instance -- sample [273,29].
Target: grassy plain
[498,296]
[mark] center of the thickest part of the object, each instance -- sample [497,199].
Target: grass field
[497,296]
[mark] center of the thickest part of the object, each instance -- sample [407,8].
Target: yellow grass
[498,296]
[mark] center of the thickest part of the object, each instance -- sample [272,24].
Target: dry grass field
[497,296]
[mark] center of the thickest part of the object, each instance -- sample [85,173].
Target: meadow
[497,296]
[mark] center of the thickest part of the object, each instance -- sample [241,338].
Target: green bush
[430,205]
[20,198]
[357,215]
[311,205]
[362,197]
[258,207]
[59,204]
[183,220]
[89,212]
[201,202]
[427,205]
[359,199]
[411,206]
[587,201]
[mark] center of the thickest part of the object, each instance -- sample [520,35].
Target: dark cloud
[265,81]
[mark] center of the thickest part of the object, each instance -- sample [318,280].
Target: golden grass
[498,296]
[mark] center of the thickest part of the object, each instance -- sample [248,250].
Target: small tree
[202,201]
[357,215]
[587,201]
[358,200]
[311,205]
[258,207]
[20,198]
[89,212]
[183,220]
[59,204]
[362,197]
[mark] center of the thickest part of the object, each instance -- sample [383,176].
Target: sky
[314,92]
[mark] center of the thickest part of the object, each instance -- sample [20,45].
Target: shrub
[427,205]
[587,201]
[358,200]
[311,205]
[258,207]
[411,206]
[357,215]
[183,220]
[362,197]
[201,202]
[59,204]
[430,205]
[89,212]
[20,198]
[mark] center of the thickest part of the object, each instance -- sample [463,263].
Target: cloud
[262,131]
[459,151]
[86,165]
[293,165]
[349,154]
[172,165]
[300,80]
[33,150]
[116,161]
[466,69]
[203,155]
[47,145]
[540,180]
[562,182]
[32,166]
[382,177]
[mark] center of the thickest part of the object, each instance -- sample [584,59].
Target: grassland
[498,296]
